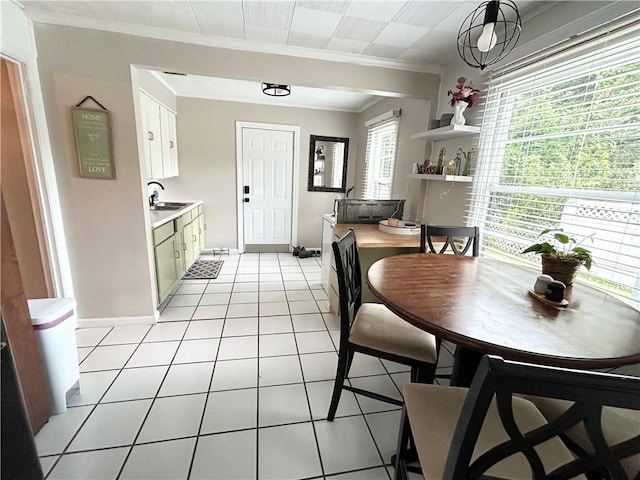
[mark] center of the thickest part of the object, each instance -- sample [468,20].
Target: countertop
[161,217]
[369,236]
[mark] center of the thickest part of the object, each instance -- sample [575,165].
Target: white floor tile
[101,431]
[271,286]
[164,460]
[243,310]
[379,473]
[270,269]
[299,295]
[228,456]
[279,324]
[162,332]
[83,352]
[204,350]
[215,299]
[364,365]
[288,452]
[205,312]
[248,269]
[98,465]
[320,398]
[186,379]
[150,354]
[235,374]
[324,306]
[235,327]
[380,384]
[308,322]
[244,297]
[288,260]
[306,306]
[319,294]
[224,279]
[204,329]
[277,296]
[346,444]
[247,277]
[90,337]
[184,300]
[283,404]
[246,287]
[136,384]
[293,276]
[319,366]
[384,427]
[312,276]
[274,308]
[218,288]
[315,284]
[191,288]
[46,463]
[331,320]
[107,358]
[58,431]
[279,370]
[92,387]
[394,367]
[232,348]
[231,410]
[171,314]
[278,344]
[402,379]
[290,268]
[296,285]
[271,277]
[314,342]
[173,417]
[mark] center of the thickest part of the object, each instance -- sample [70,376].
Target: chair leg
[401,451]
[349,362]
[341,372]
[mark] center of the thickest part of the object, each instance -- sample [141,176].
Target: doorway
[267,186]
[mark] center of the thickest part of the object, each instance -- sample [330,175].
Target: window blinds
[560,148]
[380,158]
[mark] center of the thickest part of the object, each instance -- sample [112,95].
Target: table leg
[464,366]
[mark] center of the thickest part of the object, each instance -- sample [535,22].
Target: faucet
[153,198]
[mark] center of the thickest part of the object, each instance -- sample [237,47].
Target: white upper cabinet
[159,135]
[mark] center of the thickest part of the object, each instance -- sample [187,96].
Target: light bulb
[488,37]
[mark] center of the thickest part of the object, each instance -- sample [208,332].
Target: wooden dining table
[482,305]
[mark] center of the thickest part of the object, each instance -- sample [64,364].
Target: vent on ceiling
[176,73]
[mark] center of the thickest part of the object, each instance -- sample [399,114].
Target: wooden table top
[370,236]
[482,304]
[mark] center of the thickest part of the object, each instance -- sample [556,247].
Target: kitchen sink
[169,206]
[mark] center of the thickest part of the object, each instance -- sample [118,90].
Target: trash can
[54,323]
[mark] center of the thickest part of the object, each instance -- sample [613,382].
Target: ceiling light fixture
[489,33]
[276,90]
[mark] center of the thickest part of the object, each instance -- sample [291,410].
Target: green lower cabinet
[166,271]
[187,236]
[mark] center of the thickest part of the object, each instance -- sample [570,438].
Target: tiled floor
[233,383]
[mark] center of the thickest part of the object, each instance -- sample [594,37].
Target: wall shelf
[441,178]
[443,133]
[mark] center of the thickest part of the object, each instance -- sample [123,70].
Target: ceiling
[415,35]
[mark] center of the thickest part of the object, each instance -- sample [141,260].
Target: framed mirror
[328,164]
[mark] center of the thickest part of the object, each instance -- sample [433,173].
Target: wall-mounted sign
[92,129]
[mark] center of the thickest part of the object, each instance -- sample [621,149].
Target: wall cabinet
[159,138]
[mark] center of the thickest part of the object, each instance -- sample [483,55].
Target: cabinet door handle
[150,135]
[177,253]
[184,246]
[170,143]
[194,237]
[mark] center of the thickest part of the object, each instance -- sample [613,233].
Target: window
[560,148]
[380,157]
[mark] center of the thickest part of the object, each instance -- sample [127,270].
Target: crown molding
[48,18]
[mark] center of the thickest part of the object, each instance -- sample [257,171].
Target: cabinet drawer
[163,232]
[200,210]
[182,220]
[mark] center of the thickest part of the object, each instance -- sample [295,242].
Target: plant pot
[561,269]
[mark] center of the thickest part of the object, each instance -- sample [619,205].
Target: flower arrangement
[464,93]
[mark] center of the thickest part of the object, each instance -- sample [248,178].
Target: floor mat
[202,269]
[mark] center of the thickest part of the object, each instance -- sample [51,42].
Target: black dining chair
[491,431]
[458,240]
[372,329]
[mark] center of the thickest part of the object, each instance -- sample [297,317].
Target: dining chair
[470,239]
[372,329]
[490,431]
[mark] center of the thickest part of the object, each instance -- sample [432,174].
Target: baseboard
[118,321]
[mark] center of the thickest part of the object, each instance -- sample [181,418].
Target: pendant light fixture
[489,33]
[276,90]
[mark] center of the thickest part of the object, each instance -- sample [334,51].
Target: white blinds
[560,148]
[380,159]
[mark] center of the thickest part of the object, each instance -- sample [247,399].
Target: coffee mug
[555,291]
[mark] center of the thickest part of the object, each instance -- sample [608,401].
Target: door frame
[240,180]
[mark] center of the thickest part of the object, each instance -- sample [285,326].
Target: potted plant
[562,256]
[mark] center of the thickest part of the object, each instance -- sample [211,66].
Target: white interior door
[267,172]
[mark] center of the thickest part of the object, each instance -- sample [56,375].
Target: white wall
[107,220]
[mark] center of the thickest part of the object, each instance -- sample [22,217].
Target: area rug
[203,269]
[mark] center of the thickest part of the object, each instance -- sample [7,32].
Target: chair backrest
[589,392]
[345,252]
[470,237]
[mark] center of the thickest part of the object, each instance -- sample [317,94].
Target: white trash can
[54,324]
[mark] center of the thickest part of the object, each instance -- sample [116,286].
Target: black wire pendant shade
[276,90]
[489,33]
